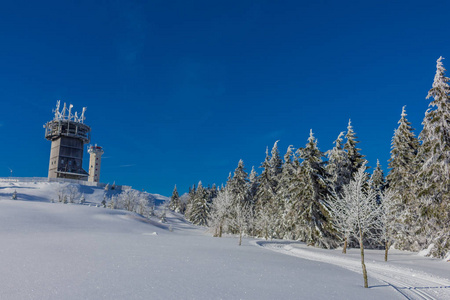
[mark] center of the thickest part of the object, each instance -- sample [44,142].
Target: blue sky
[179,91]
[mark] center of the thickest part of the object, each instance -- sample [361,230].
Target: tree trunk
[220,230]
[344,250]
[386,249]
[240,237]
[361,246]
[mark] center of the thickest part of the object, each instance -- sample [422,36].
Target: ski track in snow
[410,283]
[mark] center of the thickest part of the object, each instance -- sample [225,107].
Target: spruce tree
[400,180]
[434,176]
[238,185]
[356,158]
[339,167]
[200,206]
[175,200]
[315,227]
[377,181]
[265,196]
[284,194]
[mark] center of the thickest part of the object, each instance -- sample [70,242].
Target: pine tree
[314,226]
[400,180]
[377,180]
[275,162]
[434,176]
[199,206]
[175,200]
[350,146]
[284,194]
[339,167]
[238,185]
[265,196]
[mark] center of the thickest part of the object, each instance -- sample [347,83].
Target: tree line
[323,198]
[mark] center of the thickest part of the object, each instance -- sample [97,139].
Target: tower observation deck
[68,134]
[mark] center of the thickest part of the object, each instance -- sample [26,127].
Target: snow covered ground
[67,251]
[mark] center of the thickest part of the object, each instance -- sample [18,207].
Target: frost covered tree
[313,224]
[434,176]
[175,201]
[275,163]
[360,208]
[238,185]
[403,165]
[350,146]
[265,196]
[389,211]
[128,200]
[72,192]
[377,180]
[284,193]
[220,212]
[199,206]
[339,166]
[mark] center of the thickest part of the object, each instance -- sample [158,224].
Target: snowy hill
[69,251]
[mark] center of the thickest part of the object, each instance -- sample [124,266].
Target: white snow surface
[69,251]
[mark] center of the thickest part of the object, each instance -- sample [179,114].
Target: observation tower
[68,134]
[95,162]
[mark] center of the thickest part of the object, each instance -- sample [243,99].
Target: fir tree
[377,180]
[339,167]
[350,146]
[238,185]
[199,208]
[315,228]
[434,176]
[400,180]
[265,196]
[284,194]
[175,200]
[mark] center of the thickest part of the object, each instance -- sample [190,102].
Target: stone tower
[68,134]
[95,162]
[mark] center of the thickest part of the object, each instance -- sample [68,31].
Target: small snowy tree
[82,199]
[72,192]
[220,212]
[388,219]
[359,205]
[14,195]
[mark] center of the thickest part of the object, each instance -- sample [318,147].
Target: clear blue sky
[179,91]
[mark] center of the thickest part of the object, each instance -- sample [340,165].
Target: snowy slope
[68,251]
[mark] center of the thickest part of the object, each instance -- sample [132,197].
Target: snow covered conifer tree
[315,227]
[200,206]
[377,181]
[353,154]
[403,166]
[339,167]
[275,162]
[284,193]
[265,196]
[175,200]
[238,185]
[434,176]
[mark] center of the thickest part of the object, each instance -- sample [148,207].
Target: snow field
[69,251]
